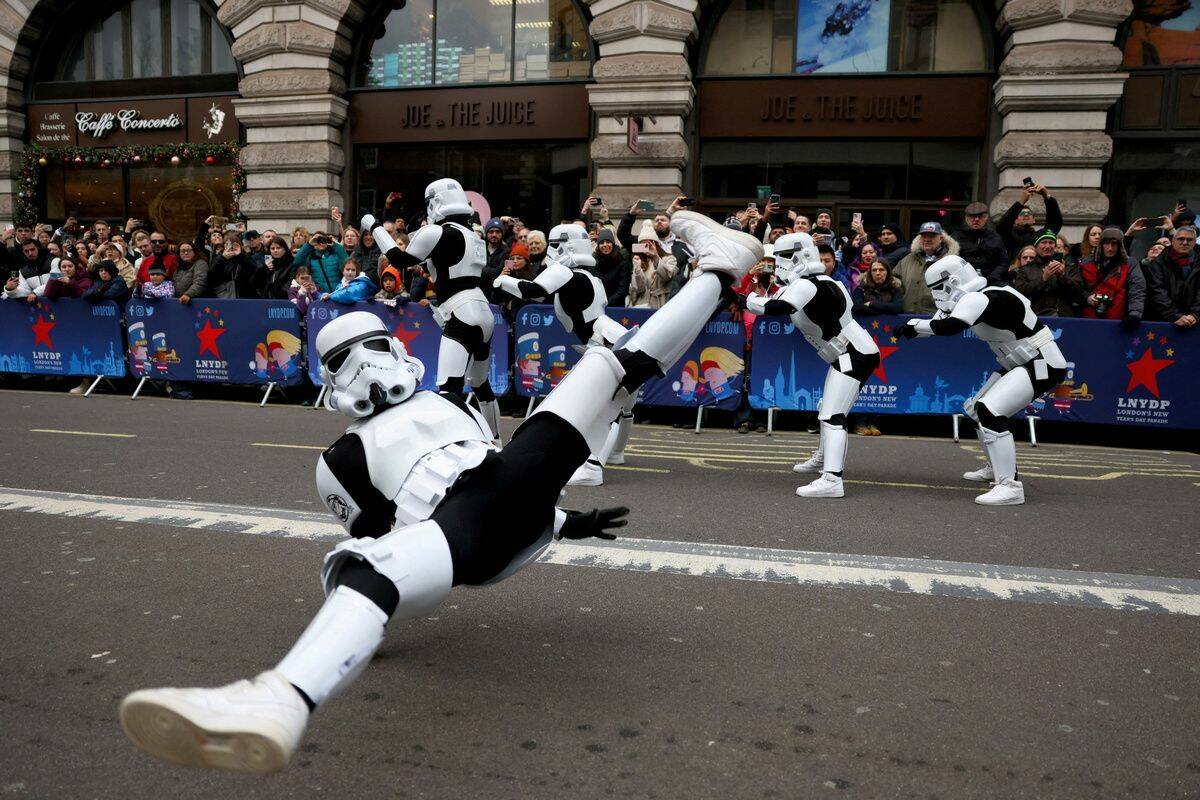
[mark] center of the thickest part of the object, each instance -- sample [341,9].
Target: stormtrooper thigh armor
[464,355]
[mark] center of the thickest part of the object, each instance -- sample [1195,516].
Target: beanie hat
[1046,234]
[494,224]
[896,229]
[156,269]
[605,235]
[519,249]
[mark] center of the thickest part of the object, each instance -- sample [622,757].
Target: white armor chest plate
[590,314]
[397,439]
[474,257]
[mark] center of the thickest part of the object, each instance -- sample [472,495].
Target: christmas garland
[35,158]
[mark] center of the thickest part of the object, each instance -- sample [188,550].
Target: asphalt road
[572,680]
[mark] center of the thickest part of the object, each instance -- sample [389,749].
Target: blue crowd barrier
[212,340]
[61,337]
[1140,377]
[708,374]
[415,326]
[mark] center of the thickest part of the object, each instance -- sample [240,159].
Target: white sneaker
[814,464]
[248,726]
[590,473]
[828,485]
[982,475]
[1006,493]
[717,248]
[615,458]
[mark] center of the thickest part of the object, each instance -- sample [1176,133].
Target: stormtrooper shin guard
[837,398]
[618,435]
[667,334]
[477,379]
[589,397]
[339,642]
[1007,396]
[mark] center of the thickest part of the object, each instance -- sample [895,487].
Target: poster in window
[842,35]
[1163,33]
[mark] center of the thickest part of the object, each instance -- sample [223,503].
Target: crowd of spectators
[638,259]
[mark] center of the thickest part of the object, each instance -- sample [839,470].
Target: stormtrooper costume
[579,299]
[1030,363]
[820,309]
[430,503]
[455,258]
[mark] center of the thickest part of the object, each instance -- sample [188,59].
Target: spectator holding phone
[1018,228]
[653,268]
[1045,281]
[232,272]
[72,282]
[614,268]
[278,269]
[324,257]
[679,250]
[303,290]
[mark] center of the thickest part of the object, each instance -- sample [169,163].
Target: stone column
[293,107]
[642,70]
[16,27]
[1058,79]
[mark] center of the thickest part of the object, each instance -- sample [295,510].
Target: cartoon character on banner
[161,354]
[276,358]
[139,348]
[712,376]
[558,364]
[529,362]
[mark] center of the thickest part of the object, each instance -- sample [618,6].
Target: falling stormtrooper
[428,500]
[455,257]
[1030,363]
[820,309]
[579,299]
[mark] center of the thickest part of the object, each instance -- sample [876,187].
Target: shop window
[149,39]
[782,37]
[1163,34]
[426,42]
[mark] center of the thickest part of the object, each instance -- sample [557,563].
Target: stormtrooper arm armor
[965,314]
[543,287]
[420,244]
[786,301]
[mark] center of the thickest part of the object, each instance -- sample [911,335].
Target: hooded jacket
[384,294]
[361,288]
[115,289]
[911,272]
[1117,277]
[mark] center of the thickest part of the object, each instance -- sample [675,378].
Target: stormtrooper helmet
[796,256]
[949,278]
[570,246]
[445,198]
[364,366]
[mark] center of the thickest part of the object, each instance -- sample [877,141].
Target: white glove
[368,222]
[756,304]
[509,284]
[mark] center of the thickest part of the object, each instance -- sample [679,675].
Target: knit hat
[519,249]
[648,235]
[604,235]
[494,224]
[896,229]
[155,269]
[1047,234]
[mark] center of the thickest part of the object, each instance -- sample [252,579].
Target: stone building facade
[1058,74]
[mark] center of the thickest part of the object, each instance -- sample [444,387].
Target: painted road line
[1101,590]
[288,446]
[84,433]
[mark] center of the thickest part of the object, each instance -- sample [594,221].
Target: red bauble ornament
[210,160]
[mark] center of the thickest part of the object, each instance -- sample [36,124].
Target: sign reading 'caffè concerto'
[125,122]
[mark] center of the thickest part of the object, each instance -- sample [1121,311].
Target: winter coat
[984,250]
[651,288]
[888,299]
[1171,293]
[1119,278]
[151,292]
[300,298]
[680,250]
[33,280]
[1057,297]
[361,288]
[191,279]
[233,276]
[911,272]
[492,270]
[115,289]
[272,282]
[326,267]
[1015,238]
[616,272]
[79,283]
[893,254]
[384,294]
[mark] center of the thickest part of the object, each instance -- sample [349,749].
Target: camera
[1103,303]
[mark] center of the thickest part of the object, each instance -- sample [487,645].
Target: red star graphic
[41,332]
[1144,371]
[884,351]
[208,336]
[406,336]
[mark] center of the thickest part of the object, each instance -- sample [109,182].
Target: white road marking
[802,568]
[84,433]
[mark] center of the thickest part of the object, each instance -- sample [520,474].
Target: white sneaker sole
[162,727]
[741,238]
[1010,501]
[821,494]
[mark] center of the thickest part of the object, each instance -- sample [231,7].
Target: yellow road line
[85,433]
[288,446]
[637,469]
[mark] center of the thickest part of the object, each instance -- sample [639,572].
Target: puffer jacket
[326,267]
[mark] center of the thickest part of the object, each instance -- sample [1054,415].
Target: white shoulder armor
[396,439]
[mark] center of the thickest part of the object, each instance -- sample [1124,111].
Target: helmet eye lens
[378,345]
[336,360]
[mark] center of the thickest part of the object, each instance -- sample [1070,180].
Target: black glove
[1130,322]
[905,331]
[595,523]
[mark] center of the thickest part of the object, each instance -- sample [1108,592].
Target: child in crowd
[355,285]
[350,271]
[390,287]
[158,287]
[303,290]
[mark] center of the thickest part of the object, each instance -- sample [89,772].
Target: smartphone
[774,198]
[857,216]
[510,264]
[752,206]
[1027,181]
[641,249]
[596,201]
[645,205]
[687,201]
[1181,202]
[15,275]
